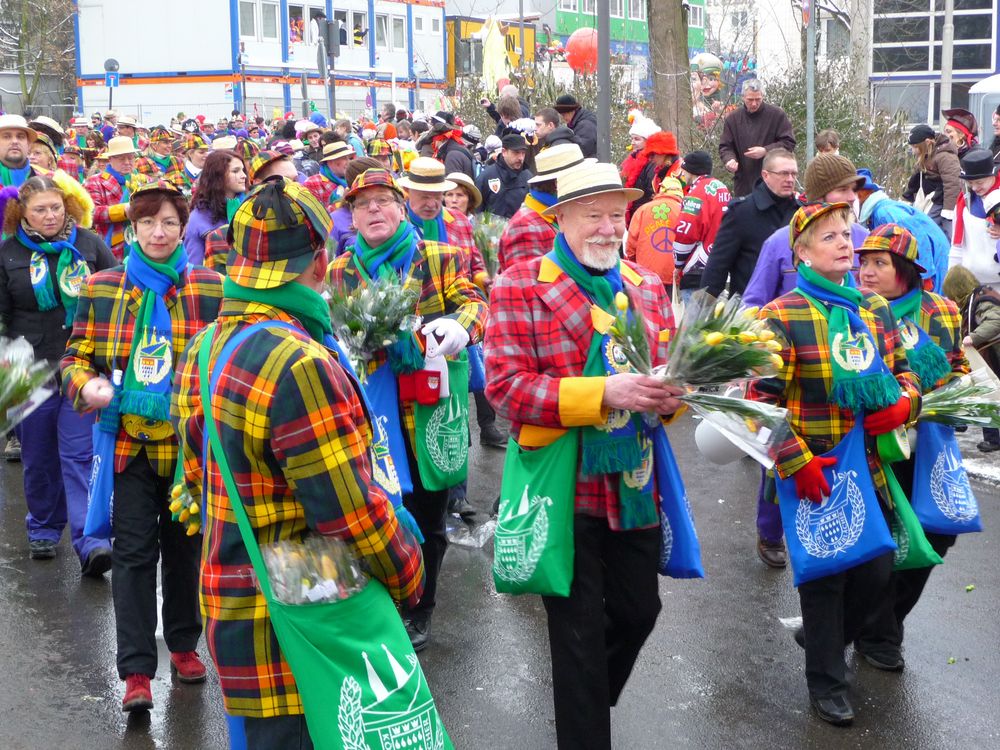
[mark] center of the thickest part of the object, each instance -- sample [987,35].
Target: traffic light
[333,38]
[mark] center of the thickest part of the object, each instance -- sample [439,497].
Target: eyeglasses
[788,174]
[382,201]
[167,225]
[47,210]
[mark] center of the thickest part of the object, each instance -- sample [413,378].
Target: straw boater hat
[587,181]
[128,121]
[464,181]
[120,145]
[16,122]
[337,150]
[79,122]
[47,122]
[225,143]
[553,161]
[427,175]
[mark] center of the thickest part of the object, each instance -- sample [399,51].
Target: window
[359,27]
[317,20]
[569,5]
[296,24]
[911,98]
[381,32]
[838,39]
[269,21]
[637,9]
[435,25]
[696,16]
[739,18]
[248,19]
[418,24]
[398,32]
[618,8]
[589,7]
[340,16]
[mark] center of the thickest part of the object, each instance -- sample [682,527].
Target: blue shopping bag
[942,497]
[680,552]
[100,495]
[847,528]
[477,369]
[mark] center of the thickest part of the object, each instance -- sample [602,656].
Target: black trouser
[485,415]
[143,530]
[595,633]
[430,510]
[284,732]
[834,611]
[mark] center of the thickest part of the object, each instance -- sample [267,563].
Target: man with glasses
[111,190]
[751,220]
[749,134]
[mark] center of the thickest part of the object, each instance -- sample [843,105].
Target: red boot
[187,666]
[138,696]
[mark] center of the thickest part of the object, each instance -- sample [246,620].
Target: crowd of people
[143,258]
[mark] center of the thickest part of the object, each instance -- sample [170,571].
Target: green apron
[442,432]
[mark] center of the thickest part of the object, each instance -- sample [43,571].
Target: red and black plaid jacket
[527,235]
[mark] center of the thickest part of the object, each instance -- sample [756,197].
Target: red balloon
[501,82]
[581,50]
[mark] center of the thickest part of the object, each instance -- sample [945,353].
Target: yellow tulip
[184,516]
[715,338]
[175,506]
[747,337]
[621,301]
[719,307]
[766,335]
[751,312]
[772,346]
[193,509]
[778,361]
[193,529]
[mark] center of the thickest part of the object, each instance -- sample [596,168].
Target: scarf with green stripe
[861,380]
[391,261]
[926,358]
[620,446]
[431,230]
[14,177]
[232,204]
[163,162]
[538,201]
[71,271]
[149,374]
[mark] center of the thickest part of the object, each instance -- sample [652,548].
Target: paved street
[720,670]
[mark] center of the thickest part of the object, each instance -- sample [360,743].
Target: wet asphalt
[719,671]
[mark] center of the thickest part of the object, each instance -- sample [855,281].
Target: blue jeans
[57,451]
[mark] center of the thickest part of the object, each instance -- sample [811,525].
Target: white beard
[599,257]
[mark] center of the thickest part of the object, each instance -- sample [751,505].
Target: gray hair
[753,84]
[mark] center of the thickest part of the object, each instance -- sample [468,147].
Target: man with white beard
[552,369]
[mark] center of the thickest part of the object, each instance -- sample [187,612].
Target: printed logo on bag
[95,469]
[909,333]
[902,540]
[153,360]
[950,488]
[72,278]
[383,468]
[520,538]
[494,185]
[855,353]
[447,438]
[835,525]
[667,537]
[384,717]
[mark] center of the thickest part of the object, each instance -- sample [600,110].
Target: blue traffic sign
[111,80]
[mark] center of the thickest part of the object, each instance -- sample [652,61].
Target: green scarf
[926,358]
[231,205]
[302,303]
[71,271]
[861,380]
[163,162]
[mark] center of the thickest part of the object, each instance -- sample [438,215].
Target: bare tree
[36,40]
[668,55]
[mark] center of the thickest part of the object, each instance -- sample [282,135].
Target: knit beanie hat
[920,133]
[828,172]
[643,127]
[697,162]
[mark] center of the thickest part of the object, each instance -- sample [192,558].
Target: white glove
[445,337]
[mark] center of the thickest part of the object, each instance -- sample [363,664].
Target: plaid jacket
[109,210]
[526,236]
[173,174]
[326,190]
[942,321]
[460,235]
[298,441]
[803,385]
[101,342]
[445,290]
[217,249]
[536,347]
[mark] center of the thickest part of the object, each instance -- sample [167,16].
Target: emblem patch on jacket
[494,184]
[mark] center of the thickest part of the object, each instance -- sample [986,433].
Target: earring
[809,263]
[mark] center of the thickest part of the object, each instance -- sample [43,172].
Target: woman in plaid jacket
[132,324]
[930,327]
[842,356]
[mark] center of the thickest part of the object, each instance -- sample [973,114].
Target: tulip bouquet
[972,399]
[372,317]
[184,509]
[486,234]
[22,382]
[717,343]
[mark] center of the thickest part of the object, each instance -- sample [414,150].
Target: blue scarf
[434,230]
[71,270]
[149,374]
[328,174]
[546,199]
[10,177]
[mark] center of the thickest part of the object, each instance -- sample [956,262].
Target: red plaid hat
[262,159]
[192,142]
[810,213]
[159,134]
[372,178]
[273,234]
[892,238]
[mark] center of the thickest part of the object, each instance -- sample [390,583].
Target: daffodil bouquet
[24,382]
[372,317]
[972,399]
[486,233]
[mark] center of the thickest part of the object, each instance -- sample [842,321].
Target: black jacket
[562,134]
[510,188]
[584,126]
[746,224]
[45,331]
[456,158]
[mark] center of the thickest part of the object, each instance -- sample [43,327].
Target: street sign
[111,79]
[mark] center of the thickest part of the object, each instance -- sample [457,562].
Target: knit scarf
[620,445]
[431,230]
[231,205]
[391,261]
[14,177]
[328,174]
[861,380]
[538,201]
[150,369]
[121,179]
[71,270]
[163,162]
[926,358]
[302,303]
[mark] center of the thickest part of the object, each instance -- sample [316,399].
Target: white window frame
[394,23]
[277,21]
[696,10]
[588,7]
[618,5]
[386,41]
[634,14]
[569,6]
[418,24]
[256,21]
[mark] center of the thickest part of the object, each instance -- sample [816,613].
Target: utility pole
[809,19]
[243,79]
[947,52]
[603,80]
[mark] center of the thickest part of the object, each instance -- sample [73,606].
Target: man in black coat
[504,183]
[749,221]
[749,133]
[581,121]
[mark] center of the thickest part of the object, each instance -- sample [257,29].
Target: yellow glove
[117,212]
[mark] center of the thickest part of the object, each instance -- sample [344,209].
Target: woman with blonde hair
[44,262]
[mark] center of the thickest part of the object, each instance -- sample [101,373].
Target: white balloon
[715,446]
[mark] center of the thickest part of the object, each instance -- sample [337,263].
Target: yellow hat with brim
[587,181]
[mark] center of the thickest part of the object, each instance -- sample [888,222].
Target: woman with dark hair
[43,263]
[219,192]
[132,324]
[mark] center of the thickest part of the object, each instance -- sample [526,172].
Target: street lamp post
[604,80]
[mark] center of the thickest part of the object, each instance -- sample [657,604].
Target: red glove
[889,418]
[810,484]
